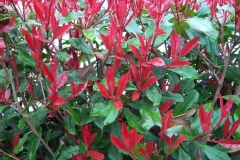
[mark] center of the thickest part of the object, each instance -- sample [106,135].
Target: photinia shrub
[119,79]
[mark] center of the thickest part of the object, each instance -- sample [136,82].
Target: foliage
[119,79]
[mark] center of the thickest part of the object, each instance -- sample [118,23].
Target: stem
[26,118]
[8,155]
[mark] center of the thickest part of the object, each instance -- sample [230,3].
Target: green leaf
[3,107]
[81,45]
[133,120]
[63,56]
[98,110]
[33,144]
[69,17]
[112,115]
[76,114]
[186,72]
[183,154]
[19,147]
[166,96]
[38,116]
[203,25]
[180,130]
[157,157]
[132,27]
[213,153]
[153,95]
[113,153]
[90,34]
[236,99]
[212,48]
[69,125]
[66,152]
[203,11]
[187,86]
[21,123]
[189,100]
[232,74]
[25,57]
[150,115]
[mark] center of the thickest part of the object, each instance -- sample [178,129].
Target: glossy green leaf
[26,58]
[183,155]
[2,107]
[189,100]
[213,153]
[81,45]
[69,125]
[212,49]
[203,25]
[166,96]
[90,34]
[19,147]
[132,27]
[66,152]
[157,157]
[33,144]
[180,130]
[69,17]
[186,72]
[21,123]
[153,95]
[133,120]
[113,153]
[112,115]
[63,56]
[150,115]
[38,116]
[232,74]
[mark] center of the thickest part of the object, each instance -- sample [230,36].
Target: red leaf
[156,61]
[77,157]
[135,95]
[61,79]
[135,51]
[234,128]
[99,55]
[134,72]
[178,141]
[47,73]
[188,47]
[60,101]
[16,140]
[159,31]
[2,44]
[178,63]
[122,83]
[226,127]
[148,83]
[143,152]
[104,92]
[37,7]
[146,73]
[54,65]
[7,25]
[125,135]
[226,108]
[29,40]
[134,138]
[149,147]
[77,89]
[87,135]
[176,88]
[111,80]
[95,155]
[228,143]
[106,42]
[118,104]
[176,42]
[205,118]
[118,143]
[61,31]
[165,106]
[167,121]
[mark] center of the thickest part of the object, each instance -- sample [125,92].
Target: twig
[8,155]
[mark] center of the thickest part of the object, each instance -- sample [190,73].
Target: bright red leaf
[87,135]
[61,31]
[166,121]
[233,128]
[228,143]
[188,46]
[104,92]
[225,110]
[156,62]
[61,79]
[226,127]
[205,118]
[159,31]
[95,155]
[165,106]
[148,151]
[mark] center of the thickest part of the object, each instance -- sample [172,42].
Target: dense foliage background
[120,79]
